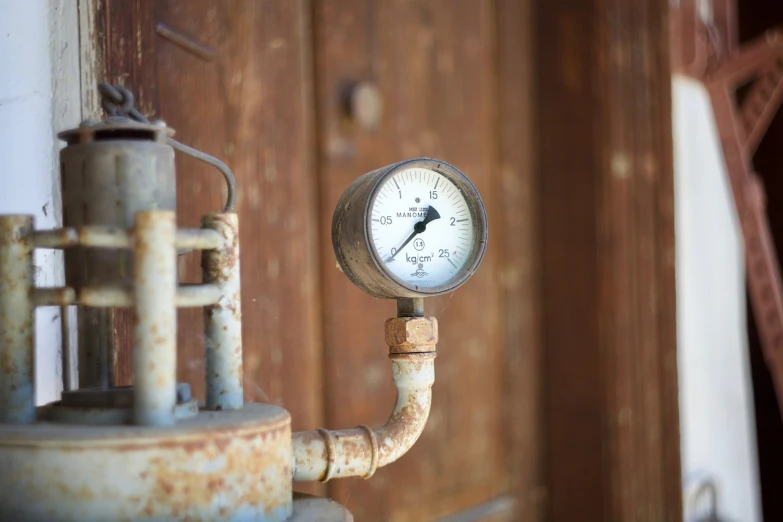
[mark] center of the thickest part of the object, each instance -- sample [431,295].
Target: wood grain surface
[555,395]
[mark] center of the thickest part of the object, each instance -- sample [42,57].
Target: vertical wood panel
[518,185]
[607,218]
[568,111]
[434,64]
[636,227]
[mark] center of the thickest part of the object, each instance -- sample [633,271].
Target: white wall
[716,401]
[39,96]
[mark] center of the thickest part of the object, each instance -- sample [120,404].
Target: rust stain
[411,334]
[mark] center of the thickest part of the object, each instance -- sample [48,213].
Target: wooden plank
[607,223]
[567,110]
[433,62]
[127,32]
[519,203]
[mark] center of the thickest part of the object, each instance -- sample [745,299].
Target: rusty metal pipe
[96,236]
[17,318]
[199,239]
[56,238]
[105,296]
[155,315]
[111,237]
[222,320]
[198,295]
[116,296]
[324,455]
[54,296]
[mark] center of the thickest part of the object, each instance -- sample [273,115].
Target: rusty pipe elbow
[323,454]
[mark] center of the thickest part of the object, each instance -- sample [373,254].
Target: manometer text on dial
[421,227]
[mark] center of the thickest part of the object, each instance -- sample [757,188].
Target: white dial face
[422,228]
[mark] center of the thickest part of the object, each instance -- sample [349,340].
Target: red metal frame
[741,127]
[709,53]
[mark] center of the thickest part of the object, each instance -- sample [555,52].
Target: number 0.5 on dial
[422,227]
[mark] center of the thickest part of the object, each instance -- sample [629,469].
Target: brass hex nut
[411,334]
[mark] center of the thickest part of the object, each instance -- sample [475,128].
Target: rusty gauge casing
[414,229]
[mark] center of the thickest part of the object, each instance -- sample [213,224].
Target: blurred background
[602,365]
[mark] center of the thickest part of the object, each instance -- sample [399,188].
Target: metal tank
[151,451]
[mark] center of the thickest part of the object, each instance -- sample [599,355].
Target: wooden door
[261,85]
[556,380]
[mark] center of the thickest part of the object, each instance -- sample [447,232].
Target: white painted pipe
[323,454]
[155,315]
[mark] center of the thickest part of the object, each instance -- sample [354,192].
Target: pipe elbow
[414,375]
[323,454]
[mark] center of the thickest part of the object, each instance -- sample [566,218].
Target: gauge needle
[418,228]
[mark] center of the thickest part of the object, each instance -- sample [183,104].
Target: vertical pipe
[155,318]
[410,307]
[223,321]
[17,317]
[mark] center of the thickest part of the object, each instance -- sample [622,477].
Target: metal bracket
[741,127]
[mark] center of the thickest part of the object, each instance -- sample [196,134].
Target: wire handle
[118,101]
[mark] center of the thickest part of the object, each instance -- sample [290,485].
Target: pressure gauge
[417,228]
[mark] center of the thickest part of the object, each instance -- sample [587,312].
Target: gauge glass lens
[422,228]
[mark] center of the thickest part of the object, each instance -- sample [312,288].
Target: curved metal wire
[118,101]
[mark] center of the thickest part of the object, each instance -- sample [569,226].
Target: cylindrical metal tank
[111,170]
[226,465]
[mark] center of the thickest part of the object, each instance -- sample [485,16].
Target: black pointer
[418,228]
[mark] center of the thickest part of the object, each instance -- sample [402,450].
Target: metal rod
[109,237]
[120,297]
[104,237]
[57,238]
[106,297]
[54,296]
[199,239]
[17,318]
[197,295]
[410,307]
[155,315]
[222,321]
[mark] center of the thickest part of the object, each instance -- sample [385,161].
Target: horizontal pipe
[106,297]
[187,296]
[54,296]
[56,238]
[191,296]
[104,237]
[324,455]
[110,237]
[199,239]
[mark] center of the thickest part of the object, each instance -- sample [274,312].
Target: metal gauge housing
[417,228]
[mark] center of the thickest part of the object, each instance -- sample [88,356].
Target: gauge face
[421,228]
[413,229]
